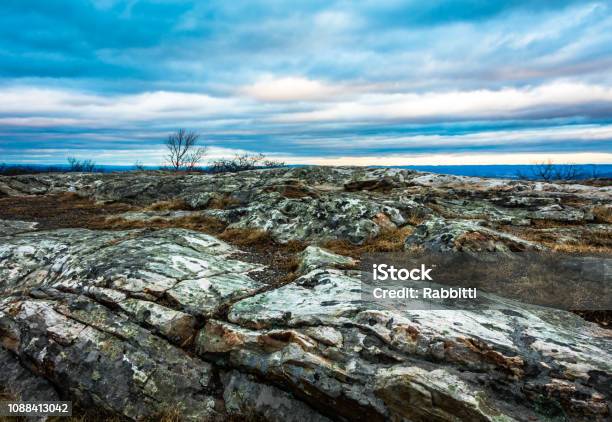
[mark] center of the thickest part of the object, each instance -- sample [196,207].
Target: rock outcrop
[139,322]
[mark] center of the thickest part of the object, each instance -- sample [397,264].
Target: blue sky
[350,82]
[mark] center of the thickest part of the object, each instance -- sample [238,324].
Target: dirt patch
[382,185]
[66,210]
[258,247]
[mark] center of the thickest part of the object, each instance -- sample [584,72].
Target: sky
[373,82]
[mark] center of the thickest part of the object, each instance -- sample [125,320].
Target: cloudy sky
[363,82]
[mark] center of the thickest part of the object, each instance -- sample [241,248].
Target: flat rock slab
[8,227]
[103,359]
[537,351]
[105,315]
[191,268]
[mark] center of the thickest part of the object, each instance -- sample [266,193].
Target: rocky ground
[236,296]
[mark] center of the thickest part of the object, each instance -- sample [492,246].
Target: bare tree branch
[547,171]
[182,151]
[77,165]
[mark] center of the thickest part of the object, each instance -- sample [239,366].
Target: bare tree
[77,165]
[138,166]
[547,171]
[544,170]
[567,172]
[183,152]
[193,158]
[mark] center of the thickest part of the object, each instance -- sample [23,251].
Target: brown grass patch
[222,202]
[580,248]
[589,241]
[603,214]
[247,237]
[169,415]
[202,223]
[550,224]
[65,210]
[176,204]
[415,218]
[294,246]
[387,241]
[261,241]
[290,264]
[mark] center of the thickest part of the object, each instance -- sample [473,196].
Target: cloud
[461,158]
[104,110]
[291,89]
[318,78]
[557,99]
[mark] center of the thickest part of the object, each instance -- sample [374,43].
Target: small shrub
[547,171]
[243,162]
[85,166]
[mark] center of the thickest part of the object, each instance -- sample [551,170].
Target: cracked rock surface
[140,322]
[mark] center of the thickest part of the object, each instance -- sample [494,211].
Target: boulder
[314,257]
[442,235]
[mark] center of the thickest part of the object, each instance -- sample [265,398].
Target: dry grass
[580,248]
[176,204]
[551,224]
[247,237]
[169,415]
[415,218]
[58,210]
[603,214]
[387,241]
[202,223]
[589,241]
[222,202]
[290,265]
[259,247]
[294,246]
[259,239]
